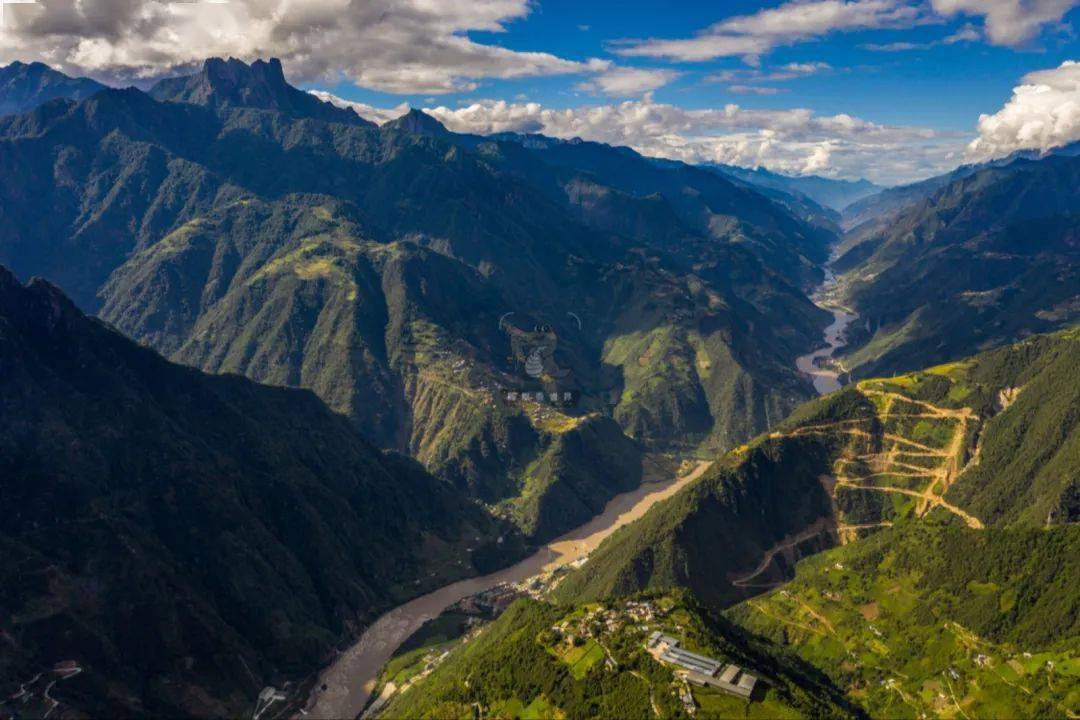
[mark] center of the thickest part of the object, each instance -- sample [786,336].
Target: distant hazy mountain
[988,258]
[24,87]
[240,225]
[830,192]
[187,539]
[878,209]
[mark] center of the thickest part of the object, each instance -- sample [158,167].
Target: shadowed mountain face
[259,85]
[23,87]
[984,261]
[235,228]
[188,539]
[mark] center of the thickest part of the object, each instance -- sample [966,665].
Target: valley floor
[350,681]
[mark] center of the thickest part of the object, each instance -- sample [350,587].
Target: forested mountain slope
[876,211]
[238,227]
[983,262]
[935,602]
[25,86]
[187,539]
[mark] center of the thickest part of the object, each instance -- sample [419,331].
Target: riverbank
[820,365]
[350,680]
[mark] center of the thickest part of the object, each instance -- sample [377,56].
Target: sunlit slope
[985,442]
[938,621]
[527,665]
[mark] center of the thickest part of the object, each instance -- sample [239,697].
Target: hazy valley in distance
[518,360]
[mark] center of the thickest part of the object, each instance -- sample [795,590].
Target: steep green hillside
[187,539]
[986,260]
[548,661]
[933,621]
[588,461]
[237,224]
[1025,471]
[929,606]
[987,441]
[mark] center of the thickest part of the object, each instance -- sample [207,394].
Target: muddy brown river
[827,379]
[351,679]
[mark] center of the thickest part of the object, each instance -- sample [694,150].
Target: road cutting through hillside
[350,680]
[822,525]
[939,478]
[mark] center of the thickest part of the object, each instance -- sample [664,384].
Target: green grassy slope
[525,665]
[938,621]
[987,441]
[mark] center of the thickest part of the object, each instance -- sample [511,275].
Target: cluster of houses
[698,669]
[643,611]
[491,602]
[600,621]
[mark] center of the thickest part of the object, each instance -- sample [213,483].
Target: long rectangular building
[744,688]
[691,661]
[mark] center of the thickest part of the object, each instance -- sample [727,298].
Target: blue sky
[892,90]
[944,86]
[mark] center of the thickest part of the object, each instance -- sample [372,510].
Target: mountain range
[988,258]
[288,369]
[25,86]
[237,224]
[829,192]
[185,539]
[951,580]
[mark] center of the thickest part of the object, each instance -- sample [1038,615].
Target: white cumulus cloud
[414,46]
[628,81]
[1043,112]
[795,141]
[369,112]
[750,36]
[1010,22]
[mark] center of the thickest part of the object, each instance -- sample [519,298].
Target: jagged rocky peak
[258,83]
[418,122]
[261,84]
